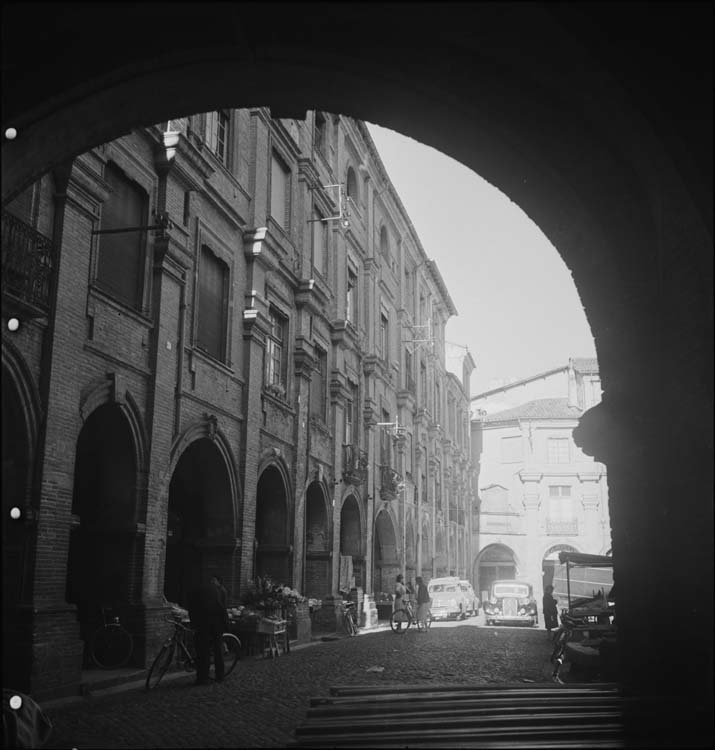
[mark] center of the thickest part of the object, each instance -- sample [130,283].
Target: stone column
[531,570]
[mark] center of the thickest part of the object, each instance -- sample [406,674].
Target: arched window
[384,242]
[351,186]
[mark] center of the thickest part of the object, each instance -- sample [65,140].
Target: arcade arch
[105,553]
[386,561]
[351,543]
[318,543]
[272,541]
[201,521]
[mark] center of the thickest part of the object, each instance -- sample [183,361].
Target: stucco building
[538,492]
[230,359]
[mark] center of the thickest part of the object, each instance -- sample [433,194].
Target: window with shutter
[557,451]
[275,343]
[318,383]
[320,244]
[280,192]
[217,128]
[212,305]
[351,297]
[120,257]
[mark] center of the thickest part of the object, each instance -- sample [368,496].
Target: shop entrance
[200,527]
[272,533]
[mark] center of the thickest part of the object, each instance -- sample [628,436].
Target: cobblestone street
[263,701]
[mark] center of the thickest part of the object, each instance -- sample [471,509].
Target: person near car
[549,605]
[423,601]
[208,619]
[400,593]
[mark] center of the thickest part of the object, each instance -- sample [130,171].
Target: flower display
[265,594]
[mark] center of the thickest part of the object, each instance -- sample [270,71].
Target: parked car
[447,598]
[471,599]
[511,602]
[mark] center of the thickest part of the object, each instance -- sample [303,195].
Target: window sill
[211,360]
[141,316]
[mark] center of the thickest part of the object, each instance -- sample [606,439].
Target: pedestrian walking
[551,614]
[400,593]
[423,602]
[208,619]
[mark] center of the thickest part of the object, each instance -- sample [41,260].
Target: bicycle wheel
[400,621]
[160,665]
[353,624]
[111,646]
[231,652]
[349,624]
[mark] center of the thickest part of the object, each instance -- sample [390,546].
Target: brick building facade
[230,359]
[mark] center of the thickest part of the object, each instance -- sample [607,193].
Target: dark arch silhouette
[606,143]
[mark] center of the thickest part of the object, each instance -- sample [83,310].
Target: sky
[519,313]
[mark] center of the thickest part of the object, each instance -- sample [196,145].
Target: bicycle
[402,619]
[111,645]
[176,643]
[349,616]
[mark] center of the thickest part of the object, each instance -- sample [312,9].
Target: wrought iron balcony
[355,464]
[562,528]
[28,262]
[390,483]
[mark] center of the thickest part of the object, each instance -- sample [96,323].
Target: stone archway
[102,565]
[495,562]
[200,527]
[318,543]
[273,548]
[386,562]
[597,152]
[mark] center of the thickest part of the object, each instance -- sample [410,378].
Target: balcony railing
[178,125]
[561,528]
[355,464]
[390,483]
[28,262]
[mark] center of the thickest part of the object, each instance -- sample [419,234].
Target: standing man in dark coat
[208,619]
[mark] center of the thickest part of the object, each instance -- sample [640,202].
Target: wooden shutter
[120,256]
[279,192]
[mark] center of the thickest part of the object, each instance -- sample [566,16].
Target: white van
[447,597]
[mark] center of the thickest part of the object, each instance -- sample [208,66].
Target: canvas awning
[580,558]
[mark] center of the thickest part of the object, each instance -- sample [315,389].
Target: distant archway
[495,562]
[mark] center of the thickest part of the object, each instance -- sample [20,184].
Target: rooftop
[542,408]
